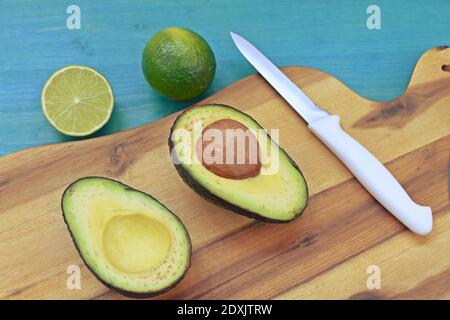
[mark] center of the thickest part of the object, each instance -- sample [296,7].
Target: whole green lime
[178,63]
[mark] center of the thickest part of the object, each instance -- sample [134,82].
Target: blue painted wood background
[328,35]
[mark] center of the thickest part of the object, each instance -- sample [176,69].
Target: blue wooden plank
[328,35]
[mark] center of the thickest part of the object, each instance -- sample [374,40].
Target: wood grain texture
[324,253]
[328,35]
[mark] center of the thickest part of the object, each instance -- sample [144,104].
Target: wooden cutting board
[323,254]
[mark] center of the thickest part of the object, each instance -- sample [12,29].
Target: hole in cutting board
[446,67]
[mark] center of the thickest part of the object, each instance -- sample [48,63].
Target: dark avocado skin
[131,294]
[206,194]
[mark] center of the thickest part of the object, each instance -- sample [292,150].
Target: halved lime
[77,100]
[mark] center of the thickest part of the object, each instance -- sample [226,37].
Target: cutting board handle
[429,83]
[433,65]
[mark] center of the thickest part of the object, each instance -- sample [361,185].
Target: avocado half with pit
[255,178]
[130,241]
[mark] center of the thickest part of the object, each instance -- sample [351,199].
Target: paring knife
[365,167]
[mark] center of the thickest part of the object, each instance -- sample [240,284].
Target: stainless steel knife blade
[372,174]
[285,87]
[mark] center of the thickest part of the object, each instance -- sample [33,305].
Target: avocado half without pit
[229,159]
[130,241]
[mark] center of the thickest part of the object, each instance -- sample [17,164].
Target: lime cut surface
[77,100]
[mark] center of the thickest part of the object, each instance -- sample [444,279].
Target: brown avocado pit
[277,193]
[229,149]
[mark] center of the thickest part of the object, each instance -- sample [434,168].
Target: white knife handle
[372,175]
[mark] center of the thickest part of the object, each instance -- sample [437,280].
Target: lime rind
[178,63]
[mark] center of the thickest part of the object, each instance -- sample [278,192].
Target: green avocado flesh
[129,240]
[278,195]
